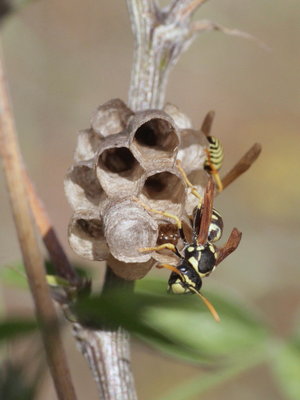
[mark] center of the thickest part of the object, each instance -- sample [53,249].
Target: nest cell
[164,191]
[86,236]
[110,118]
[82,186]
[119,172]
[88,143]
[129,227]
[181,120]
[155,138]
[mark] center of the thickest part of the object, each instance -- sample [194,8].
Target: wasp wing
[231,244]
[207,123]
[206,212]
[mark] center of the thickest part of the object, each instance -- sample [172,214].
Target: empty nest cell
[164,186]
[118,171]
[156,136]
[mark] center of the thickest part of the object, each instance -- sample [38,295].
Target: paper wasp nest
[123,156]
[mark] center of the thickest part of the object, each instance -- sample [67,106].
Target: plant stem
[108,352]
[61,264]
[44,308]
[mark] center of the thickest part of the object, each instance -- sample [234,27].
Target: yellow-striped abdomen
[215,155]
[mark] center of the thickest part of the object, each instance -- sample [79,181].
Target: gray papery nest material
[122,157]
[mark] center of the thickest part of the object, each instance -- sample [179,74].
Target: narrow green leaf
[286,368]
[189,324]
[13,275]
[208,381]
[13,382]
[178,325]
[11,328]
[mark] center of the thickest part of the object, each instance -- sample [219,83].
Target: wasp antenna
[207,123]
[206,212]
[171,268]
[208,304]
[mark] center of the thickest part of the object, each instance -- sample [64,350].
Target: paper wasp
[214,151]
[200,255]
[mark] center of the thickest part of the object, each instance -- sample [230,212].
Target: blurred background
[63,59]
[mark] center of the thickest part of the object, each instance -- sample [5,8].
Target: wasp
[214,151]
[199,255]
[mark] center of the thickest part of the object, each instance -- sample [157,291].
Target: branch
[107,352]
[61,264]
[184,8]
[33,261]
[209,26]
[160,38]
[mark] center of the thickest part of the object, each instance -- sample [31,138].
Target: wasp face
[198,262]
[177,285]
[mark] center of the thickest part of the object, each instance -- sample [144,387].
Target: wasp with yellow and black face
[197,260]
[200,255]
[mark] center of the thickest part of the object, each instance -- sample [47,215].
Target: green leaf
[178,325]
[286,368]
[13,382]
[189,324]
[208,381]
[14,275]
[13,327]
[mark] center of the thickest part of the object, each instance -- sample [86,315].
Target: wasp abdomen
[215,154]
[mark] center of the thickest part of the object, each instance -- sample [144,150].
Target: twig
[33,261]
[184,8]
[209,26]
[242,165]
[62,266]
[107,352]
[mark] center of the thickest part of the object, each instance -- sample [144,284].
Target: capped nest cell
[125,160]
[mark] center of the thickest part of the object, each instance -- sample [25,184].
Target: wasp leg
[169,246]
[194,191]
[171,268]
[165,214]
[231,244]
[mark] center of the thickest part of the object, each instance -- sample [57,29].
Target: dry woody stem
[44,308]
[61,264]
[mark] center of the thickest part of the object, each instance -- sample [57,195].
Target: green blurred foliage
[13,382]
[11,328]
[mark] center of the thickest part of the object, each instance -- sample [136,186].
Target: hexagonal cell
[88,143]
[129,227]
[119,172]
[110,118]
[86,236]
[130,271]
[153,138]
[164,191]
[181,120]
[156,135]
[82,187]
[191,152]
[199,179]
